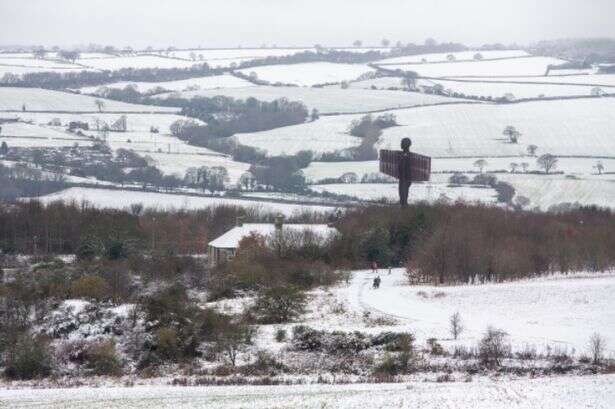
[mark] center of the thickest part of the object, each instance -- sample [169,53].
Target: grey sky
[228,23]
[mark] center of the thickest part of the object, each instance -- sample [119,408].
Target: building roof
[231,239]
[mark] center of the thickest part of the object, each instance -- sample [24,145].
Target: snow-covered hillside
[205,83]
[515,67]
[557,311]
[35,99]
[309,74]
[327,100]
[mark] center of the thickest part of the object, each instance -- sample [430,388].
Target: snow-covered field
[566,392]
[122,199]
[327,134]
[179,163]
[515,67]
[211,55]
[140,61]
[459,56]
[585,167]
[309,74]
[135,122]
[499,89]
[211,82]
[327,100]
[606,80]
[36,99]
[34,63]
[571,127]
[429,192]
[548,191]
[29,136]
[580,127]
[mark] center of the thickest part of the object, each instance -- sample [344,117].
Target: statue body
[406,166]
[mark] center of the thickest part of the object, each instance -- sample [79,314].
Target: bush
[91,287]
[167,346]
[458,179]
[435,348]
[280,335]
[280,304]
[29,358]
[492,348]
[485,179]
[394,341]
[337,342]
[102,359]
[395,364]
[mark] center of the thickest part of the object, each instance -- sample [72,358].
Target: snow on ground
[30,136]
[571,166]
[35,63]
[136,62]
[566,392]
[546,191]
[178,164]
[499,89]
[327,100]
[581,127]
[122,199]
[211,55]
[607,80]
[375,83]
[20,70]
[327,134]
[459,56]
[559,311]
[36,99]
[308,74]
[429,191]
[136,122]
[515,67]
[325,170]
[211,82]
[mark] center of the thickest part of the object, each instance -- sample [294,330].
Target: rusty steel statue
[406,166]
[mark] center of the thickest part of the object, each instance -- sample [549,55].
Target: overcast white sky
[228,23]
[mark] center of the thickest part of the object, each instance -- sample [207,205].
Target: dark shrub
[29,358]
[280,304]
[102,359]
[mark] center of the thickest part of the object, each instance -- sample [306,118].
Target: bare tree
[99,104]
[548,162]
[492,348]
[597,347]
[456,325]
